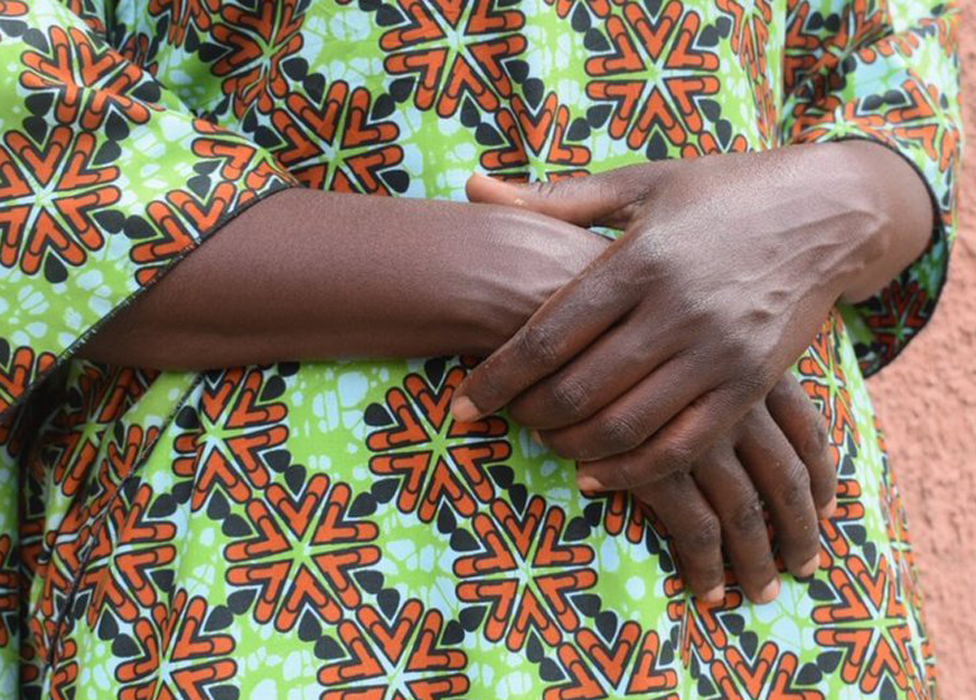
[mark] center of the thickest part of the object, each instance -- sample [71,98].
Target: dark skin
[402,278]
[724,274]
[245,298]
[776,455]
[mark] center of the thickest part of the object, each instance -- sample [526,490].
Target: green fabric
[326,529]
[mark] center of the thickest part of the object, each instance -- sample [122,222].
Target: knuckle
[794,492]
[816,444]
[537,346]
[647,251]
[673,482]
[754,382]
[569,398]
[747,518]
[753,417]
[765,376]
[619,431]
[677,456]
[737,347]
[545,188]
[705,536]
[628,474]
[754,378]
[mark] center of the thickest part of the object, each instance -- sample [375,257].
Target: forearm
[309,275]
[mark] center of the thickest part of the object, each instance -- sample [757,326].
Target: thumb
[594,200]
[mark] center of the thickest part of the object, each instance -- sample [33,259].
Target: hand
[778,456]
[726,270]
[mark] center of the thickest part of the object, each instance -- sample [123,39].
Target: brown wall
[927,404]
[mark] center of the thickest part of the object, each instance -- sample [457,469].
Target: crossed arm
[656,361]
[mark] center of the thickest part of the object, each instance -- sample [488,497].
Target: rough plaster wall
[927,404]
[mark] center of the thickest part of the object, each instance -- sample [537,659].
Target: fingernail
[715,595]
[828,510]
[810,568]
[585,482]
[537,437]
[464,410]
[769,593]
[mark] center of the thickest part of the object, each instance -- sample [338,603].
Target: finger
[727,488]
[635,416]
[806,428]
[565,324]
[605,371]
[602,200]
[695,530]
[676,447]
[784,484]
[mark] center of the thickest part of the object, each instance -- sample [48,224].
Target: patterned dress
[325,529]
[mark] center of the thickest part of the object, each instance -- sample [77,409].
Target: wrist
[854,218]
[520,260]
[884,214]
